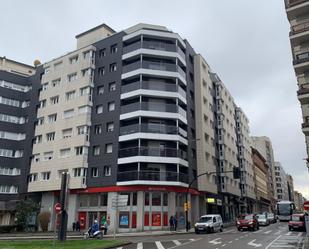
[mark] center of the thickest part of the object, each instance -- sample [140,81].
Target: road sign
[306,205]
[58,208]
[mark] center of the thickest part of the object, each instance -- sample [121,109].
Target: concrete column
[195,214]
[111,212]
[171,204]
[140,211]
[72,210]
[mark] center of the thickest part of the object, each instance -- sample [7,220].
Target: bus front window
[285,209]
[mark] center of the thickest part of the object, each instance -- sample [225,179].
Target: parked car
[297,222]
[248,221]
[271,217]
[262,220]
[209,223]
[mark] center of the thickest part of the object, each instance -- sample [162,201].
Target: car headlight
[238,223]
[195,225]
[250,223]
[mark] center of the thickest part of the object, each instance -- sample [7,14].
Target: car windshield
[248,217]
[261,216]
[205,219]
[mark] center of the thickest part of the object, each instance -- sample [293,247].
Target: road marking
[299,234]
[251,243]
[230,241]
[273,241]
[140,245]
[215,242]
[267,232]
[192,239]
[223,245]
[119,248]
[282,246]
[258,231]
[228,231]
[159,245]
[176,242]
[289,233]
[237,239]
[195,240]
[277,233]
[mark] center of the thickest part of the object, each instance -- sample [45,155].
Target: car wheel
[290,229]
[197,232]
[221,229]
[212,230]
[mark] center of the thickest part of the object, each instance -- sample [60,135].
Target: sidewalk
[79,235]
[306,243]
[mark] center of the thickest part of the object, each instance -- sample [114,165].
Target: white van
[209,223]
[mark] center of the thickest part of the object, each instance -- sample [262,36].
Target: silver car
[209,223]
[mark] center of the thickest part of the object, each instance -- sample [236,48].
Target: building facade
[299,201]
[290,187]
[261,172]
[298,16]
[281,183]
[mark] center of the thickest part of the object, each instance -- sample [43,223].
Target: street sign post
[58,208]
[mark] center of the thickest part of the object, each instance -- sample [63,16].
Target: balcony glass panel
[300,58]
[148,128]
[149,106]
[152,176]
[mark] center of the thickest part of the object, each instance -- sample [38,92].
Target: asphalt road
[275,236]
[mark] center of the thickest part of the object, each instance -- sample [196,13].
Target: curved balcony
[168,176]
[292,3]
[152,152]
[299,28]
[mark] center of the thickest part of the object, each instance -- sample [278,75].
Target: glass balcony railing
[300,58]
[154,45]
[156,86]
[299,28]
[153,106]
[153,152]
[152,128]
[152,176]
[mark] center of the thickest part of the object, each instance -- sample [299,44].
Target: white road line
[258,231]
[139,245]
[192,239]
[176,242]
[159,245]
[267,232]
[282,246]
[251,243]
[273,241]
[289,233]
[230,241]
[299,234]
[277,233]
[223,245]
[236,239]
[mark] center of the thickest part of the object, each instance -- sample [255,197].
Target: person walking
[175,222]
[74,226]
[171,221]
[77,226]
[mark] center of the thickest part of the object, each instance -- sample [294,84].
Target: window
[109,148]
[98,129]
[103,199]
[38,139]
[107,170]
[99,109]
[44,86]
[48,156]
[111,106]
[86,72]
[52,118]
[96,150]
[94,172]
[12,119]
[45,176]
[56,82]
[40,121]
[87,54]
[11,102]
[73,59]
[67,133]
[112,86]
[93,200]
[72,77]
[101,71]
[50,136]
[78,172]
[102,53]
[9,171]
[80,150]
[46,70]
[70,95]
[60,172]
[6,189]
[82,130]
[114,49]
[156,199]
[84,109]
[65,152]
[113,67]
[54,100]
[42,103]
[110,127]
[84,91]
[68,113]
[100,90]
[33,177]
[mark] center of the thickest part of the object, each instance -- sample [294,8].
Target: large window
[156,199]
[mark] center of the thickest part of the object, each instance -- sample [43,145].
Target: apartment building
[281,183]
[298,16]
[17,112]
[263,203]
[247,183]
[290,186]
[264,146]
[299,201]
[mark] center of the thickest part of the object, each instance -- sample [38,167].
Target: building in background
[261,173]
[264,146]
[299,201]
[298,16]
[281,183]
[290,186]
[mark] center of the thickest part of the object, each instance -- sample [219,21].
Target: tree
[24,210]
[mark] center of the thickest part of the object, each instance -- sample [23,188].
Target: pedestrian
[74,226]
[171,223]
[77,226]
[105,227]
[175,222]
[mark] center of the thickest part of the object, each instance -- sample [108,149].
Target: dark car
[248,221]
[297,222]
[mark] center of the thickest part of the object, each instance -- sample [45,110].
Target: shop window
[146,199]
[156,219]
[83,200]
[156,199]
[165,199]
[103,199]
[93,200]
[124,219]
[146,217]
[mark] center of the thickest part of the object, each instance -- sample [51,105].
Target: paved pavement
[275,236]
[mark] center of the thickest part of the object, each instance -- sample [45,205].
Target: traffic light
[236,173]
[189,205]
[185,206]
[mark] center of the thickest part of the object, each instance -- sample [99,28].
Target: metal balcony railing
[300,58]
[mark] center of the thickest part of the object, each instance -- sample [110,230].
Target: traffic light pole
[236,174]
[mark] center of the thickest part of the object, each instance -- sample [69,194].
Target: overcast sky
[245,42]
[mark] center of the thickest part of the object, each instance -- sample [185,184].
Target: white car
[262,220]
[209,223]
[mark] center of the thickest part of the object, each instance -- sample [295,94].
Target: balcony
[292,3]
[156,86]
[169,67]
[154,107]
[299,28]
[152,128]
[305,128]
[303,95]
[301,62]
[152,152]
[168,176]
[154,45]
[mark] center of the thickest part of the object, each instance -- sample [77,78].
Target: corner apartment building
[298,16]
[264,146]
[17,112]
[281,183]
[299,201]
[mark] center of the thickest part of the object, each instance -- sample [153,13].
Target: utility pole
[62,234]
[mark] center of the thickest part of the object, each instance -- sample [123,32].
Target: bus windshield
[285,209]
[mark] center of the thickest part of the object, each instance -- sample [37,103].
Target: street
[273,236]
